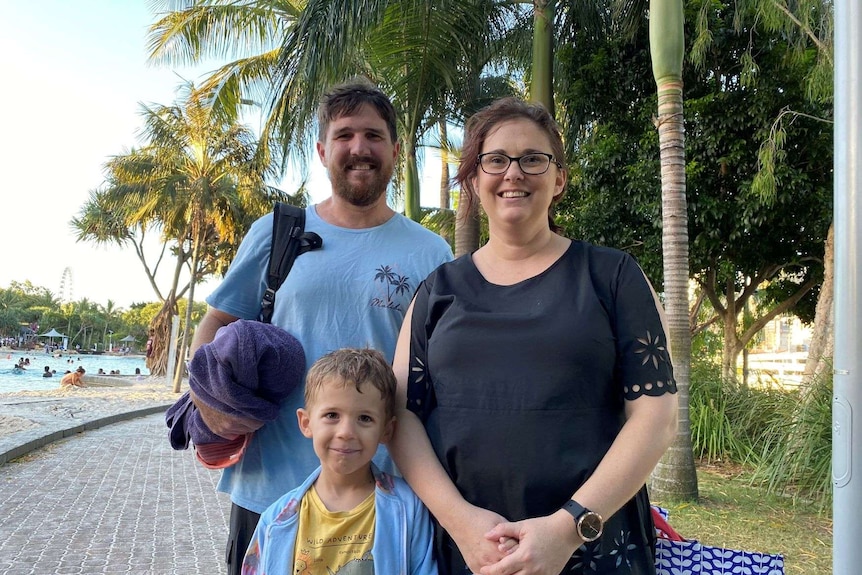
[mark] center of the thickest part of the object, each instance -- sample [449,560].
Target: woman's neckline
[503,274]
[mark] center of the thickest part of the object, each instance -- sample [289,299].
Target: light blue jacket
[403,535]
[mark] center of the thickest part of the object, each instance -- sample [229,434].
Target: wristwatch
[588,523]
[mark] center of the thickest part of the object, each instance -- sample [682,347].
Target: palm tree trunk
[445,190]
[161,334]
[466,225]
[180,370]
[674,477]
[411,182]
[444,165]
[542,86]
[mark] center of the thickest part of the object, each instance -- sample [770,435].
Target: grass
[733,513]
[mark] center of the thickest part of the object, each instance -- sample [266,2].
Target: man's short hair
[346,98]
[353,366]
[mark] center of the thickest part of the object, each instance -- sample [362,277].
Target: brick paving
[116,499]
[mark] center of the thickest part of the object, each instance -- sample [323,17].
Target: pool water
[31,378]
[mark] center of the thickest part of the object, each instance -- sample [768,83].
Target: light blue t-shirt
[353,292]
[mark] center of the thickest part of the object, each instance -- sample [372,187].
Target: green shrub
[729,420]
[713,436]
[785,435]
[795,452]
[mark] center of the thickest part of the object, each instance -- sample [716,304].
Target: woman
[538,388]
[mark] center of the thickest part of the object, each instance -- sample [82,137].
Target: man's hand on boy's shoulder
[222,424]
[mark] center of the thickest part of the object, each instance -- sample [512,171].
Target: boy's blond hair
[353,366]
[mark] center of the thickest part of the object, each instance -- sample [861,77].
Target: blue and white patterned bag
[676,556]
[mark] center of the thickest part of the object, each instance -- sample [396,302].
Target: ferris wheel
[66,290]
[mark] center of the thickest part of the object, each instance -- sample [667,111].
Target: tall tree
[738,240]
[746,241]
[288,54]
[201,179]
[674,476]
[542,84]
[808,28]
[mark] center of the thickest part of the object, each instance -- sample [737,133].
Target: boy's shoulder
[384,482]
[391,485]
[287,506]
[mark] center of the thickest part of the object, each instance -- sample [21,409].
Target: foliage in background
[795,452]
[282,57]
[84,322]
[786,442]
[740,243]
[728,419]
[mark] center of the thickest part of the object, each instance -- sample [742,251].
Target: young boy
[74,378]
[348,516]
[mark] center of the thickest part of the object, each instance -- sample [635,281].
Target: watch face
[590,526]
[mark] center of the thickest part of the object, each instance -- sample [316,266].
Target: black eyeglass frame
[550,157]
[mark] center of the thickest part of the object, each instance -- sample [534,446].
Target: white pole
[847,382]
[172,349]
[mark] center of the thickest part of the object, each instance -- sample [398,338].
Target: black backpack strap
[289,241]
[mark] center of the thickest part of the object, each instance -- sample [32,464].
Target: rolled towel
[247,370]
[186,424]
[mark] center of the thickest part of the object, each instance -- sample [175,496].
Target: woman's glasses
[534,164]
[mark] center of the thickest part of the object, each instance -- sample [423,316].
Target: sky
[75,74]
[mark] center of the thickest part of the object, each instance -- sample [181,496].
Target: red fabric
[663,528]
[221,455]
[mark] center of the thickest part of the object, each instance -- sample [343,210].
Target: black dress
[521,389]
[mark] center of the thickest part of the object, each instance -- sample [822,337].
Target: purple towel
[186,424]
[247,370]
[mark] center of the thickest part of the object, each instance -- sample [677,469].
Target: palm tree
[12,311]
[674,476]
[419,52]
[479,92]
[542,88]
[109,315]
[200,177]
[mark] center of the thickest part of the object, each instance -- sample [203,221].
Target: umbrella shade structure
[52,333]
[128,338]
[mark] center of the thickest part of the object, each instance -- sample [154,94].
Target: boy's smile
[346,426]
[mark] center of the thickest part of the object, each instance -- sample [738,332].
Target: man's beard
[363,194]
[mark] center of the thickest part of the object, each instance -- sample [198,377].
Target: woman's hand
[544,545]
[469,534]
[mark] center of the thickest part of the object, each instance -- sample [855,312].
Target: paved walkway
[116,499]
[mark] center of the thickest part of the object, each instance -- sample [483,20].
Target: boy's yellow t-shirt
[327,542]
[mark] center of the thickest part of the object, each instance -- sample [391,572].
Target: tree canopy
[741,242]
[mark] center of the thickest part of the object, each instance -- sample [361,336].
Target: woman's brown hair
[485,120]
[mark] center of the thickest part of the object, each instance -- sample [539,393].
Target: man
[353,292]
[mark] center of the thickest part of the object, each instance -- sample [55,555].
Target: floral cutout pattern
[653,355]
[592,559]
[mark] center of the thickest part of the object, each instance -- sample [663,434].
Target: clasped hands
[491,545]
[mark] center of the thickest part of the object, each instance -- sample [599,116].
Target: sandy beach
[26,410]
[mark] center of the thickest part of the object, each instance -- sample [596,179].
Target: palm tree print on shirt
[396,285]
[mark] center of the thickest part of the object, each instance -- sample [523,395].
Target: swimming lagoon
[31,378]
